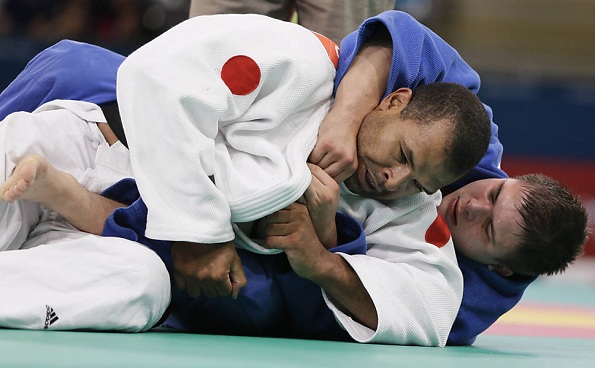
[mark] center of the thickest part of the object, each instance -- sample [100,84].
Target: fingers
[287,215]
[279,223]
[327,162]
[337,165]
[180,281]
[195,289]
[322,190]
[209,287]
[341,175]
[192,288]
[237,278]
[209,270]
[322,175]
[317,154]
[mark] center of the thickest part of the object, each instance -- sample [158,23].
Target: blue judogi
[68,70]
[420,56]
[275,302]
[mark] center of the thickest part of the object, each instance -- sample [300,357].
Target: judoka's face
[484,220]
[400,157]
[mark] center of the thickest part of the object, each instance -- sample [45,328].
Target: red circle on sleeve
[241,75]
[438,233]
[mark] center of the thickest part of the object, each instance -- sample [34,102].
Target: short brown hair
[554,227]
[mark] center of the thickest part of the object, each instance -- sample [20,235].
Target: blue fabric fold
[486,296]
[68,70]
[420,56]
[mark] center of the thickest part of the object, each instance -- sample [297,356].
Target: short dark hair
[436,102]
[554,223]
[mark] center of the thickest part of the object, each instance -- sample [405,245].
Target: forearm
[336,277]
[328,235]
[364,83]
[291,230]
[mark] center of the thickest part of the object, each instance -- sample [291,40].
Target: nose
[477,210]
[399,180]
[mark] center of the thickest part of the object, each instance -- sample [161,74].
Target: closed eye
[403,158]
[494,194]
[490,230]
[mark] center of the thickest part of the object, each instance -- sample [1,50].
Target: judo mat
[553,326]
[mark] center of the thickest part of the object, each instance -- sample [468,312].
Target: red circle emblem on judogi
[438,233]
[241,75]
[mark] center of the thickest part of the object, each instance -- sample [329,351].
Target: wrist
[327,273]
[348,115]
[329,238]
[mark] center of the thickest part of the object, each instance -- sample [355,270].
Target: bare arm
[358,93]
[291,229]
[305,232]
[346,290]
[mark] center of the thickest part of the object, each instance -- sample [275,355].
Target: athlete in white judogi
[244,99]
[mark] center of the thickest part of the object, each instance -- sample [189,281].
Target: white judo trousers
[53,276]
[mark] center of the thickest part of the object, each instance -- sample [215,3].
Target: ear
[501,269]
[398,99]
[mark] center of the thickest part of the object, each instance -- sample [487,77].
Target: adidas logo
[50,317]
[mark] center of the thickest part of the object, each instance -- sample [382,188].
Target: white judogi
[52,275]
[410,270]
[252,131]
[187,120]
[206,152]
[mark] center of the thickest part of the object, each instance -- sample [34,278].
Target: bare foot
[37,180]
[34,179]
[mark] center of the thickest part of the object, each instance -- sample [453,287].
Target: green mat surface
[166,349]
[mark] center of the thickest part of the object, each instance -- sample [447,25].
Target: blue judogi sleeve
[486,296]
[420,56]
[68,70]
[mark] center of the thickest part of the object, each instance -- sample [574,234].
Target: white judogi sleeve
[220,114]
[410,271]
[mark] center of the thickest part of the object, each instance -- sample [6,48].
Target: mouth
[365,179]
[370,182]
